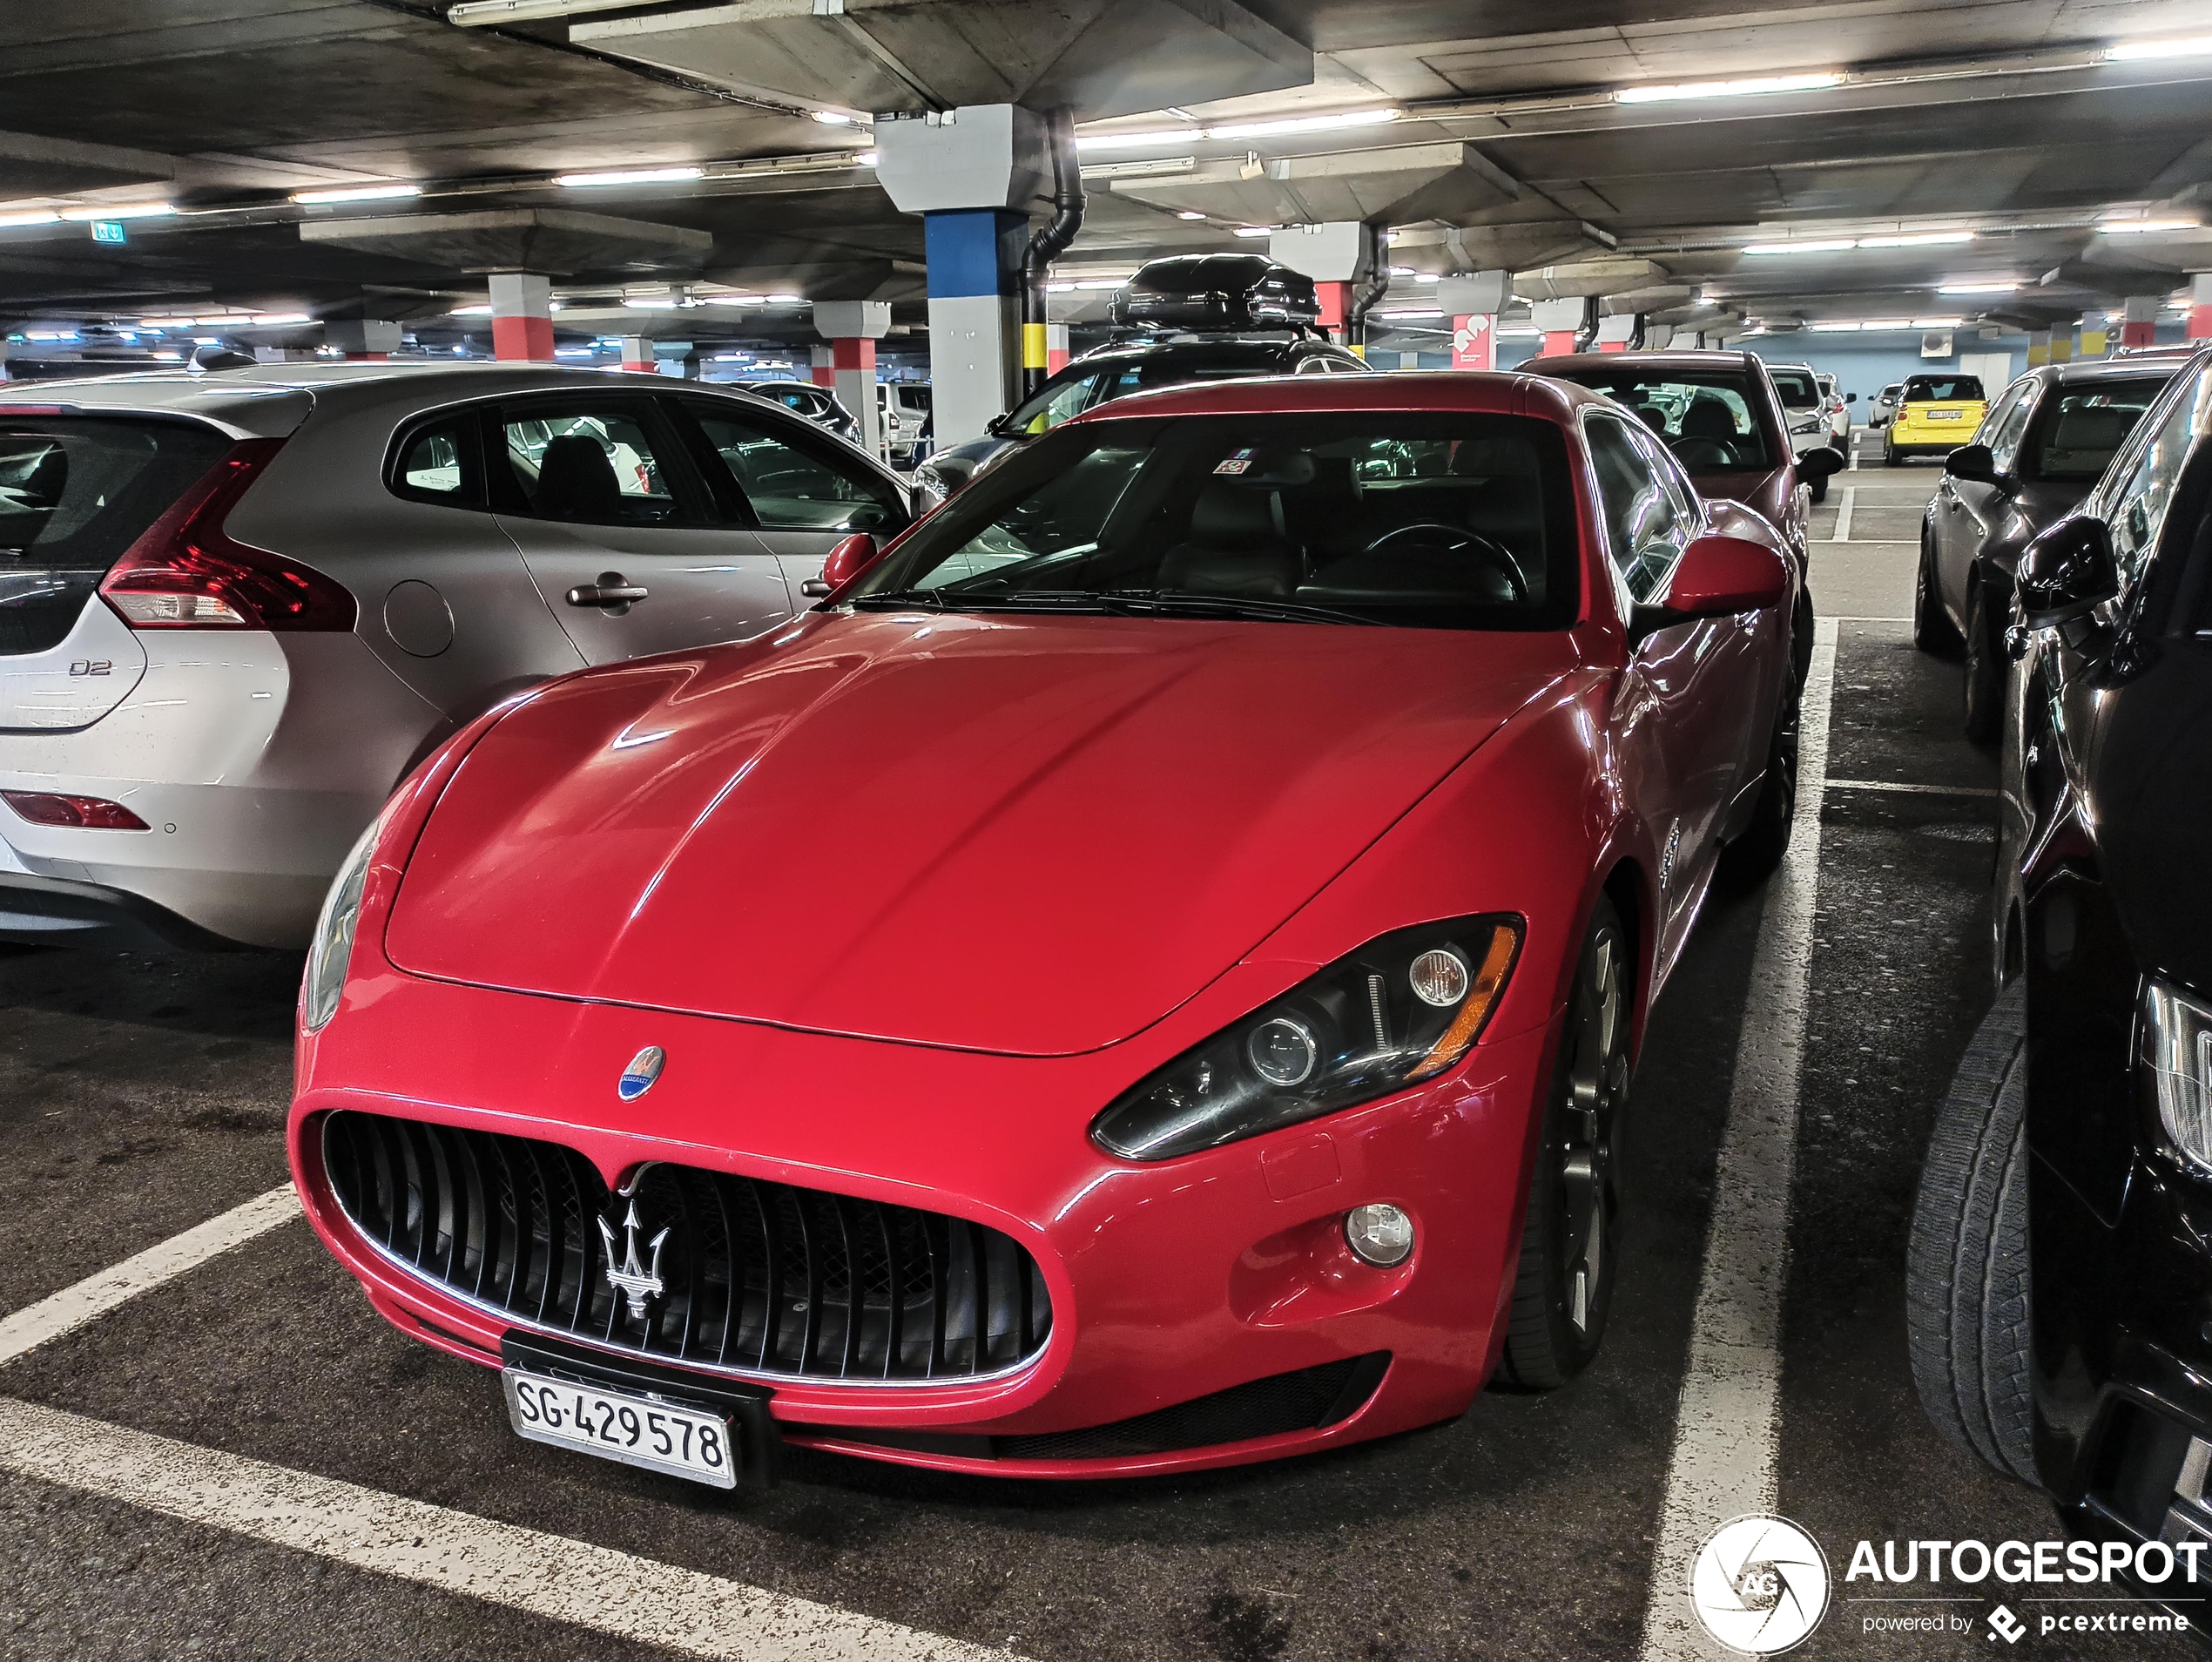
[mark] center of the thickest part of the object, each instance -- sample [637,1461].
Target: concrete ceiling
[2001,116]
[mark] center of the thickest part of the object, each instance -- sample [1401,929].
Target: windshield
[1938,390]
[1707,417]
[1082,390]
[1429,520]
[2078,433]
[1796,388]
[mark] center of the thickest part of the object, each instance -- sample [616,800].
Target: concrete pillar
[821,366]
[1657,337]
[852,328]
[1560,321]
[2095,336]
[1341,257]
[2140,326]
[522,316]
[2038,347]
[362,340]
[2061,345]
[1615,331]
[1055,347]
[637,355]
[2201,305]
[1473,302]
[972,173]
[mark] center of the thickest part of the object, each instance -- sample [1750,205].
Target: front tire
[1984,691]
[1967,1282]
[1932,630]
[1820,490]
[1758,849]
[1569,1239]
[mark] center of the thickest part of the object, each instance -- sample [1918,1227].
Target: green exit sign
[108,231]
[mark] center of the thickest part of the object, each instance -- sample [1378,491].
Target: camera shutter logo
[1760,1585]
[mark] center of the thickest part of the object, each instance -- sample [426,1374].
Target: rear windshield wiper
[1182,603]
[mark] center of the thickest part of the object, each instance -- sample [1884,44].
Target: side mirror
[2066,573]
[1820,461]
[846,561]
[1851,398]
[1972,462]
[999,426]
[1716,576]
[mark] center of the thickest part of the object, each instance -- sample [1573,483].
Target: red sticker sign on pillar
[1474,343]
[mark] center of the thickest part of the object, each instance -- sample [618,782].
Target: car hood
[1027,835]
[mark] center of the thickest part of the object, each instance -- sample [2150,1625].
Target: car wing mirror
[1820,461]
[1851,398]
[846,561]
[2066,573]
[1717,577]
[1974,462]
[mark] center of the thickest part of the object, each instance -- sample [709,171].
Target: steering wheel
[1453,539]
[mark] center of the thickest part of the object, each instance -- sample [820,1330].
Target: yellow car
[1935,415]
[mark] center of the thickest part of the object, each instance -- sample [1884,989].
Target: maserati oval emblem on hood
[645,1068]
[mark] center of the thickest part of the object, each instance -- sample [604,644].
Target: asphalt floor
[140,1096]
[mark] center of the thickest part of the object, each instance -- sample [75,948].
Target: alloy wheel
[1597,1084]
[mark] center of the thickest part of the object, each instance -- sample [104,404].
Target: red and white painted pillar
[362,340]
[821,366]
[2139,325]
[1339,257]
[1561,321]
[1473,301]
[852,328]
[1055,347]
[2201,305]
[637,355]
[522,316]
[1616,331]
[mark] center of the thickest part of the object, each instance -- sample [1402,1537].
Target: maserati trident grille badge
[637,1282]
[645,1068]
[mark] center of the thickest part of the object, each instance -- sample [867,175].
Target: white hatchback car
[236,608]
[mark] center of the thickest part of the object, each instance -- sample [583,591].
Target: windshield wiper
[1184,604]
[965,600]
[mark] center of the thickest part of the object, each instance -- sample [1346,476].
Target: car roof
[2134,367]
[1476,391]
[1567,363]
[1214,345]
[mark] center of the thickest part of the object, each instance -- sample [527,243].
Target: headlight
[1805,424]
[334,944]
[2177,1048]
[1402,1009]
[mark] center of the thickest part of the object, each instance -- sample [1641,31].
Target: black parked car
[818,404]
[1224,311]
[2060,1273]
[2045,442]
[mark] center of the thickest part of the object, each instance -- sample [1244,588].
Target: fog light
[1380,1234]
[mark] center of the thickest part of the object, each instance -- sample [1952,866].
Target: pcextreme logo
[1760,1585]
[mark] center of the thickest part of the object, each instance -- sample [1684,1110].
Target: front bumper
[1168,1283]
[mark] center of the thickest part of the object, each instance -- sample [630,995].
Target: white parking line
[96,1295]
[1928,790]
[1842,515]
[549,1576]
[1727,1425]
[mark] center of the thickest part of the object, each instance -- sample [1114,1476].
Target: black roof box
[1221,291]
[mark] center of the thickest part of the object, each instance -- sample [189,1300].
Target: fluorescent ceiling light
[471,311]
[633,176]
[36,216]
[833,117]
[1189,214]
[867,159]
[267,319]
[1101,282]
[2135,51]
[1916,239]
[1304,124]
[1937,323]
[120,211]
[1255,230]
[1887,323]
[1428,276]
[573,352]
[1831,245]
[2129,227]
[1139,140]
[1832,328]
[1401,271]
[170,357]
[1057,288]
[357,193]
[1518,331]
[1747,88]
[1976,289]
[786,299]
[475,13]
[732,300]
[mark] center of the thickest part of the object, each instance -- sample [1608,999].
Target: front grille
[759,1277]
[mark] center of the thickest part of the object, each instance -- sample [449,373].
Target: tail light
[183,572]
[85,812]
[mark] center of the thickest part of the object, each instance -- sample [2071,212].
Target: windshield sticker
[1238,462]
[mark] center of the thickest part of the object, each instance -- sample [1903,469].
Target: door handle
[613,594]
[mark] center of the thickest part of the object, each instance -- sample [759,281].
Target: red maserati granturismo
[1145,974]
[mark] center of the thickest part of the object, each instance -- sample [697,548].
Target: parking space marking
[1727,1423]
[1842,515]
[96,1295]
[551,1576]
[1922,790]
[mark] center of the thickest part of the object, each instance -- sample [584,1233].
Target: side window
[595,463]
[2008,421]
[1645,524]
[2138,509]
[792,485]
[440,461]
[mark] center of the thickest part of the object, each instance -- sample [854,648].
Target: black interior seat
[1238,545]
[576,481]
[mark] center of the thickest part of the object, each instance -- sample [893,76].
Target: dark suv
[2059,1283]
[2047,440]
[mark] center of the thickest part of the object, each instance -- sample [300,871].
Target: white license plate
[637,1430]
[1947,415]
